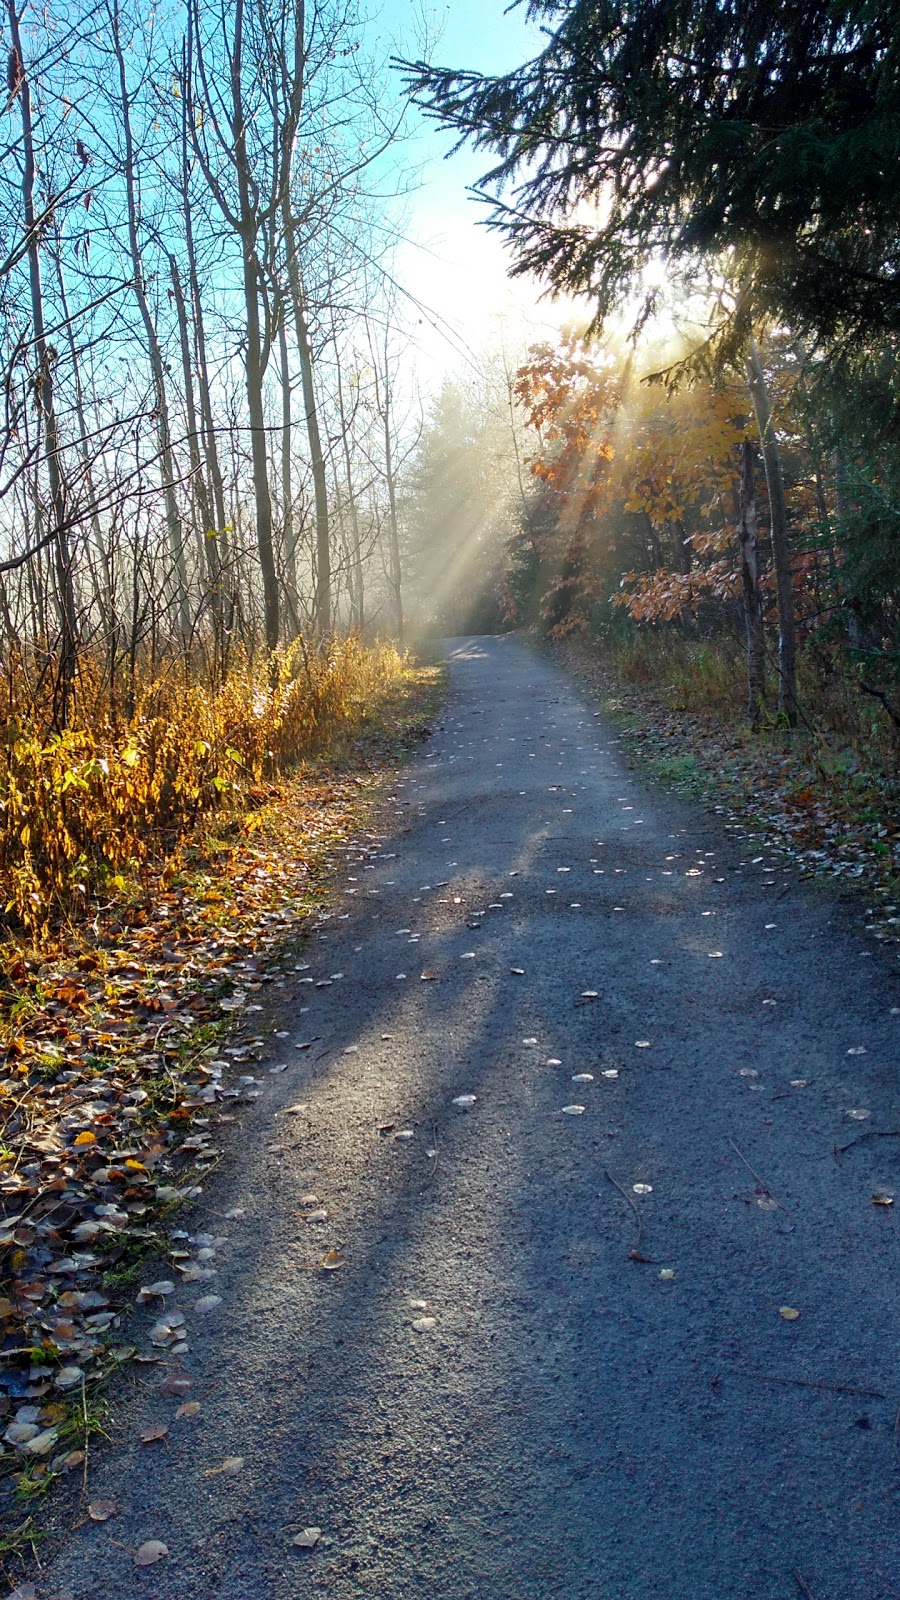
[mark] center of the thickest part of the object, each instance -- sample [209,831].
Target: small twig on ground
[870,1133]
[803,1586]
[814,1383]
[753,1172]
[636,1209]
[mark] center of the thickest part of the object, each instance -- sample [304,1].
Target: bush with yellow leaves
[80,808]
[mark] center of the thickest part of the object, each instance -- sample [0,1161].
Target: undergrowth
[123,1039]
[826,793]
[84,812]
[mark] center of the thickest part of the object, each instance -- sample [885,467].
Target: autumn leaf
[151,1551]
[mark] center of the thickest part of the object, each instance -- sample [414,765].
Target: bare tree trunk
[355,569]
[203,515]
[209,433]
[383,406]
[316,456]
[257,344]
[393,527]
[753,613]
[154,349]
[287,478]
[44,393]
[784,585]
[103,591]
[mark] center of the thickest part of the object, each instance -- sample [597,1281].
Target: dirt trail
[576,1424]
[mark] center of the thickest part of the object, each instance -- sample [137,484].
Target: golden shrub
[102,798]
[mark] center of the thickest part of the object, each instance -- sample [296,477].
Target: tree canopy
[760,133]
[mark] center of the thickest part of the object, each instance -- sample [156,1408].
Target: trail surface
[573,1425]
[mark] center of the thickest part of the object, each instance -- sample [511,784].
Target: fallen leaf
[427,976]
[68,1377]
[882,1199]
[424,1324]
[517,972]
[642,1044]
[331,1260]
[156,1430]
[189,1409]
[465,1100]
[206,1303]
[42,1443]
[177,1383]
[573,1111]
[859,1114]
[101,1510]
[642,1188]
[230,1467]
[151,1551]
[307,1538]
[667,1274]
[789,1313]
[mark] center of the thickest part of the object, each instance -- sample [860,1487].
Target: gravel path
[566,1422]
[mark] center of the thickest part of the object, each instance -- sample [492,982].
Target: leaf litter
[119,1037]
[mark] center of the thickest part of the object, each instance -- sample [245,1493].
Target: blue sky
[456,266]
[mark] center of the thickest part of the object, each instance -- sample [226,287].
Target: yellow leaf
[86,1138]
[789,1313]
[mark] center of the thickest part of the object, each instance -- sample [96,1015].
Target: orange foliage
[609,446]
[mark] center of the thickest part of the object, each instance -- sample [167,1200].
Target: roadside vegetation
[120,1005]
[703,471]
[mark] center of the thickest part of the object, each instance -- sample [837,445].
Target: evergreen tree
[760,132]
